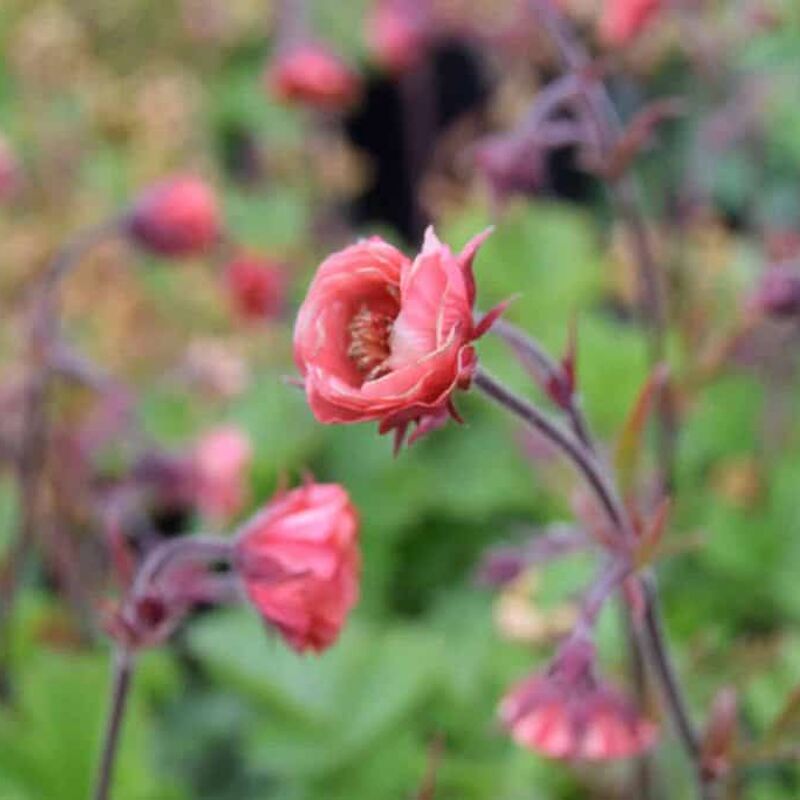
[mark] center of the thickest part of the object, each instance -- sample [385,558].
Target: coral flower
[299,560]
[221,460]
[177,218]
[397,34]
[567,713]
[256,287]
[623,20]
[309,73]
[380,337]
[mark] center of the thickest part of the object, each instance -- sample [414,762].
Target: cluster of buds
[297,561]
[181,217]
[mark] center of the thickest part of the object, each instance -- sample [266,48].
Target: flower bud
[397,34]
[778,294]
[299,560]
[310,74]
[622,20]
[221,460]
[567,712]
[256,287]
[177,218]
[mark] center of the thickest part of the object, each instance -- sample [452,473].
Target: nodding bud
[177,218]
[567,712]
[256,287]
[778,293]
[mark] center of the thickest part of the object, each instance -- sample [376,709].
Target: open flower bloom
[568,713]
[299,560]
[311,74]
[221,460]
[177,218]
[380,337]
[623,20]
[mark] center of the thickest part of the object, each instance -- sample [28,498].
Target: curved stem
[582,458]
[120,689]
[584,461]
[210,548]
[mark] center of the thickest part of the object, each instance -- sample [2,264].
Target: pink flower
[221,460]
[397,34]
[309,73]
[176,218]
[778,293]
[299,560]
[256,287]
[567,713]
[380,337]
[623,20]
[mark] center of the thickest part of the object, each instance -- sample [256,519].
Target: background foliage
[100,98]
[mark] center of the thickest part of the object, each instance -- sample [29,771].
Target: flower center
[369,347]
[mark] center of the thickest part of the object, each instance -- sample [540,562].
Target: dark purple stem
[544,367]
[120,689]
[587,465]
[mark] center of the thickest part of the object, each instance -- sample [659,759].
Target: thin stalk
[120,689]
[583,459]
[31,458]
[586,464]
[544,367]
[605,126]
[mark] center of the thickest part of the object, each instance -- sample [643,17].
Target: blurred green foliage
[231,714]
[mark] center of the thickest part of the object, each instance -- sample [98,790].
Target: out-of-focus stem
[31,458]
[604,124]
[120,689]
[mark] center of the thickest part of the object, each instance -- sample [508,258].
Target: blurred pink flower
[566,712]
[256,287]
[778,292]
[309,73]
[380,337]
[622,20]
[178,217]
[299,560]
[221,460]
[398,33]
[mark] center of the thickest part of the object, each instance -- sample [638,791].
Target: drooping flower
[177,218]
[256,287]
[299,560]
[567,712]
[380,337]
[310,73]
[221,459]
[622,20]
[398,33]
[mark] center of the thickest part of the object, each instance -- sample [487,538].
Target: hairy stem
[120,689]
